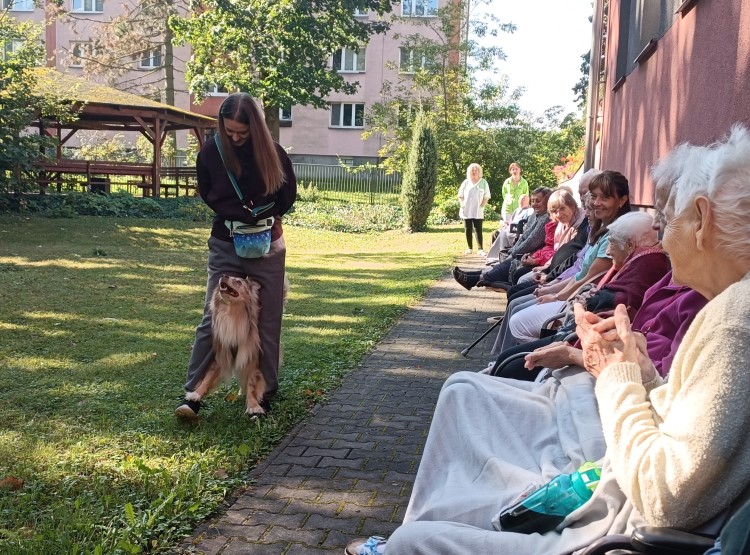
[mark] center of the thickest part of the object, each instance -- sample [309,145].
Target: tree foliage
[275,50]
[21,50]
[420,177]
[474,122]
[139,31]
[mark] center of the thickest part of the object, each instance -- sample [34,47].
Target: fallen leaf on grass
[11,483]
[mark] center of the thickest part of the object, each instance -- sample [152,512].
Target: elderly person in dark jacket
[531,240]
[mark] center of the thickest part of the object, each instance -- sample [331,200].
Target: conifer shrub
[420,177]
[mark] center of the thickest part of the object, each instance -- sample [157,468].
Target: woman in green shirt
[513,188]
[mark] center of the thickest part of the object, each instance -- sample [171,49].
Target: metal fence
[335,184]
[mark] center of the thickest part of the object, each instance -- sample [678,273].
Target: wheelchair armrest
[549,321]
[668,541]
[500,364]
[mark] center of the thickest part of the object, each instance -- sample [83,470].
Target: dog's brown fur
[235,308]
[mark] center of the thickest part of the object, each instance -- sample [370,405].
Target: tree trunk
[272,120]
[168,64]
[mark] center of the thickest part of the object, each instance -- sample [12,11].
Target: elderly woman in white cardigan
[677,453]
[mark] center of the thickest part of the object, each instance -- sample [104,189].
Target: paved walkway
[348,470]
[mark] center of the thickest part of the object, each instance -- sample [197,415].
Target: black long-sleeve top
[216,190]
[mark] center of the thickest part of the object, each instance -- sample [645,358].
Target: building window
[285,116]
[150,59]
[347,115]
[349,60]
[79,51]
[18,5]
[10,47]
[217,90]
[92,6]
[418,8]
[411,60]
[641,22]
[360,12]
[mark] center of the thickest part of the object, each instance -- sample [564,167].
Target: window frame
[285,121]
[356,57]
[430,9]
[151,54]
[412,69]
[213,91]
[340,107]
[10,5]
[82,3]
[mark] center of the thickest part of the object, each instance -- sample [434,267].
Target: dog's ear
[252,284]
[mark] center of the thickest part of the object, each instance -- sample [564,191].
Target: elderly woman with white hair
[473,195]
[677,451]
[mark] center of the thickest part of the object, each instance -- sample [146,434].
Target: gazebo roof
[106,108]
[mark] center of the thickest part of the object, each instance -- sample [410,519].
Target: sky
[544,53]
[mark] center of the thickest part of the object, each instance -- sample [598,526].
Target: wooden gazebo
[103,108]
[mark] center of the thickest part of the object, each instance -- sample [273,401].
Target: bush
[420,177]
[354,218]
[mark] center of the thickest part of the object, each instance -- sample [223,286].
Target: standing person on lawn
[473,194]
[513,188]
[243,148]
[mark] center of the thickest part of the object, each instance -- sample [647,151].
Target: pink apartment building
[311,135]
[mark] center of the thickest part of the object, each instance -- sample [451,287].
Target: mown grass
[96,326]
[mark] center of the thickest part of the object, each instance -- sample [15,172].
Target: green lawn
[95,331]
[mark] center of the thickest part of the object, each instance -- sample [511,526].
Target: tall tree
[133,50]
[420,178]
[21,50]
[276,50]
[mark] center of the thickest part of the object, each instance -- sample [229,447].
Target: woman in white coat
[473,194]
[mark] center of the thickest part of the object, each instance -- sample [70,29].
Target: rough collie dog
[235,307]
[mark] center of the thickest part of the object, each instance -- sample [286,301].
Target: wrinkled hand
[609,341]
[554,355]
[546,299]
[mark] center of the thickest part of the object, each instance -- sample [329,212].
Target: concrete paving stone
[285,458]
[305,471]
[261,504]
[237,516]
[209,546]
[297,506]
[360,498]
[297,535]
[355,445]
[337,540]
[275,519]
[341,463]
[291,482]
[337,453]
[281,492]
[383,513]
[239,547]
[276,468]
[361,474]
[338,523]
[297,549]
[249,531]
[323,485]
[386,488]
[330,434]
[392,466]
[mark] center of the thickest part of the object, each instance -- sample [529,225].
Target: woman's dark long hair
[241,107]
[611,184]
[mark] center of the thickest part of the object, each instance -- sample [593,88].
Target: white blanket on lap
[490,438]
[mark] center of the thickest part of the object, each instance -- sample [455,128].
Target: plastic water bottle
[544,509]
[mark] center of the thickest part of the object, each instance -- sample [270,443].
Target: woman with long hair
[246,179]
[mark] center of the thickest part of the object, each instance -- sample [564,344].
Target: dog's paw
[192,396]
[255,411]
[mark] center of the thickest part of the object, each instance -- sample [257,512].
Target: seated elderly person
[607,201]
[637,263]
[665,315]
[677,451]
[506,235]
[531,240]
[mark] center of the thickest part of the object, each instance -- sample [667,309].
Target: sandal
[374,545]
